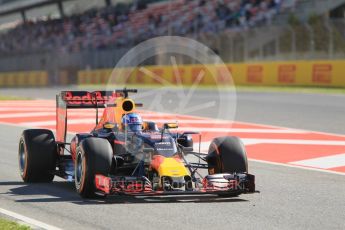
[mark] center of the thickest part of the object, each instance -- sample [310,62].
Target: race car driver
[132,122]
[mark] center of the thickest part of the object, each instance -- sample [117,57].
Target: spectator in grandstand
[223,11]
[103,28]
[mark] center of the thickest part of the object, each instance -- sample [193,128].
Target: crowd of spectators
[127,25]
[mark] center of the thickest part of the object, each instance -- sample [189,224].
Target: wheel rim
[22,158]
[79,169]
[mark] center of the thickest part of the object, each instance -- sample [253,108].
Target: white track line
[249,141]
[41,109]
[260,124]
[284,127]
[188,121]
[221,130]
[40,104]
[92,121]
[53,122]
[298,167]
[79,112]
[28,220]
[158,115]
[238,130]
[17,115]
[44,114]
[205,145]
[257,141]
[10,110]
[326,162]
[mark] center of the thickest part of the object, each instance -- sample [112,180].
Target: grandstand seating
[109,27]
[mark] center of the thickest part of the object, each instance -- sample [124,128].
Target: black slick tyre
[227,155]
[37,155]
[94,156]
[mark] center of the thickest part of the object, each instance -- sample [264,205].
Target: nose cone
[169,166]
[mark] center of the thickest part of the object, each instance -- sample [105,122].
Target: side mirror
[189,133]
[110,126]
[150,126]
[170,126]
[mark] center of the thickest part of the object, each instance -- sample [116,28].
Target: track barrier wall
[24,79]
[298,73]
[294,73]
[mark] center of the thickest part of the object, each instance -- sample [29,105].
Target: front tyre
[227,155]
[94,156]
[37,155]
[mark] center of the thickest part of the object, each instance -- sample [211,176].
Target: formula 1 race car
[125,155]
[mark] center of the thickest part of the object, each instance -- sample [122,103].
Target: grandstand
[18,10]
[123,26]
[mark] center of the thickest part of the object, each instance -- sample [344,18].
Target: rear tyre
[94,156]
[227,155]
[37,155]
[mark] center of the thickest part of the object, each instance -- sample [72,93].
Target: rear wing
[87,100]
[84,100]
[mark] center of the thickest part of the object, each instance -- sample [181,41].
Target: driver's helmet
[132,121]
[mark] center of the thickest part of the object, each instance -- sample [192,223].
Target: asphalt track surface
[289,198]
[316,112]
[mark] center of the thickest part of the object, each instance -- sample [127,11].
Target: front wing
[221,184]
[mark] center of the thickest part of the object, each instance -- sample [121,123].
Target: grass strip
[12,98]
[11,225]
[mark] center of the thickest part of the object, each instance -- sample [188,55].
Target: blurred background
[63,42]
